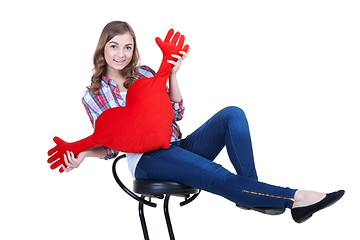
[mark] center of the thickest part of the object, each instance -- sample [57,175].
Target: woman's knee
[233,111]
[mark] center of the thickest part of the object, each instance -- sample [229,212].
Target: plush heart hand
[144,124]
[57,153]
[167,46]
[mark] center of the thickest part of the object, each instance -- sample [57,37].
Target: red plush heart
[144,124]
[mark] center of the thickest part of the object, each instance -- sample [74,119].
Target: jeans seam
[232,143]
[268,195]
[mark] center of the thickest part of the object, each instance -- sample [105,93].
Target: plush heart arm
[172,44]
[57,153]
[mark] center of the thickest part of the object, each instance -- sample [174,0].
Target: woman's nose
[120,53]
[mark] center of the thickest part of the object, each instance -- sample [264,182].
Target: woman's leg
[228,127]
[194,170]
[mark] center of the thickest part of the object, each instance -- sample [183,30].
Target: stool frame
[161,189]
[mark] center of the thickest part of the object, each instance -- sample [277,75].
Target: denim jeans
[191,161]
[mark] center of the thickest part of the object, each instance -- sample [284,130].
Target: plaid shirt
[110,97]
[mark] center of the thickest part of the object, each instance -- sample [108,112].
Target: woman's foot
[305,198]
[307,203]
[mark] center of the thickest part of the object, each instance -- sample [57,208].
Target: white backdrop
[293,66]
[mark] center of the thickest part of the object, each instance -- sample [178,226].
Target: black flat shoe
[264,210]
[301,214]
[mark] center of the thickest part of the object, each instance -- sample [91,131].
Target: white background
[292,66]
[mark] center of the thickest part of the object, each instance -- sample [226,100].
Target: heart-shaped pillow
[144,124]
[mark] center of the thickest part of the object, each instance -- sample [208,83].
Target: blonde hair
[111,30]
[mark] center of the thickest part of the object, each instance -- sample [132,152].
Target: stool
[157,189]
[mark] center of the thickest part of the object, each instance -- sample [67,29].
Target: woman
[188,160]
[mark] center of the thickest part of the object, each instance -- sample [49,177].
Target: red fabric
[123,128]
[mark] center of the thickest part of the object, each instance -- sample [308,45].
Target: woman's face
[118,52]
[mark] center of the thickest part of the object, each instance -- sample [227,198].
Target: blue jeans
[190,161]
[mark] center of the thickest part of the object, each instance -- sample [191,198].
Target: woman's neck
[118,78]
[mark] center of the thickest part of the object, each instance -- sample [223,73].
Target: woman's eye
[128,48]
[113,46]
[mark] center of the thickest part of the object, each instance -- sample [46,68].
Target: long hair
[111,30]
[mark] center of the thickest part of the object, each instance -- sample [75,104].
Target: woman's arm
[174,90]
[74,162]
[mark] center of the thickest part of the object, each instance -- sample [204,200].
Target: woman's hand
[178,62]
[73,162]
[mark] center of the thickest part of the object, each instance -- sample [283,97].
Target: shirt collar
[107,80]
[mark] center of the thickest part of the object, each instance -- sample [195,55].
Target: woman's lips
[119,61]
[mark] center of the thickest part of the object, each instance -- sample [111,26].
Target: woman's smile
[119,61]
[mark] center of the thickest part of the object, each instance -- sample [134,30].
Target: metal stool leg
[167,217]
[142,220]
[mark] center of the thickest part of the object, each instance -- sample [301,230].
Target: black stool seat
[159,187]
